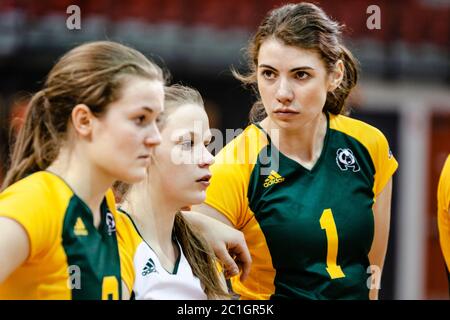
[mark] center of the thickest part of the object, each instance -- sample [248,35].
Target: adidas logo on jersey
[80,229]
[149,268]
[273,178]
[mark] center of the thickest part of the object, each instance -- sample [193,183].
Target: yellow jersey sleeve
[231,172]
[443,203]
[128,240]
[29,203]
[227,193]
[376,144]
[384,161]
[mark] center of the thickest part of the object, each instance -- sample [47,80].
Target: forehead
[275,53]
[187,118]
[138,92]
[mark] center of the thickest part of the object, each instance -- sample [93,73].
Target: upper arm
[385,166]
[377,254]
[227,194]
[213,213]
[14,247]
[382,217]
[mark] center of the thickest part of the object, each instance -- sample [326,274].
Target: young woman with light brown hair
[173,261]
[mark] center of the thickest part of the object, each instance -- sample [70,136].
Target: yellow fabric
[128,240]
[376,144]
[443,202]
[233,167]
[231,174]
[39,203]
[260,282]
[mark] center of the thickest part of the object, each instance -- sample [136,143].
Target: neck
[83,178]
[304,144]
[154,215]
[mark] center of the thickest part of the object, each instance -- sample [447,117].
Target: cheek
[167,156]
[169,161]
[176,179]
[264,88]
[266,93]
[125,137]
[313,95]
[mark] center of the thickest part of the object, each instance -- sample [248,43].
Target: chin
[197,198]
[289,124]
[134,177]
[284,124]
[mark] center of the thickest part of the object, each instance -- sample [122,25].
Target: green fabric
[289,213]
[95,254]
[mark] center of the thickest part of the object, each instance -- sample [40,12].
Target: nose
[284,94]
[153,136]
[206,159]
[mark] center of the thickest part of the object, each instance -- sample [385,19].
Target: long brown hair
[307,26]
[199,254]
[201,258]
[90,74]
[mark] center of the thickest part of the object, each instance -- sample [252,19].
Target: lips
[145,159]
[144,156]
[204,181]
[286,111]
[205,178]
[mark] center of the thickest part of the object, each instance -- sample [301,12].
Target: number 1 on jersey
[327,223]
[110,288]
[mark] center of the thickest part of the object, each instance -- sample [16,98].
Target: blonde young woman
[171,261]
[92,123]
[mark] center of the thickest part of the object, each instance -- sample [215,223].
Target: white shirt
[153,282]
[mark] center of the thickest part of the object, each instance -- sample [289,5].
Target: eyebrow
[292,70]
[192,136]
[183,136]
[149,109]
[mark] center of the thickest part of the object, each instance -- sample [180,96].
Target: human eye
[140,120]
[302,75]
[187,144]
[268,74]
[159,121]
[160,118]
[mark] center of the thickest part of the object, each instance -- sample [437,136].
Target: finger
[242,257]
[230,267]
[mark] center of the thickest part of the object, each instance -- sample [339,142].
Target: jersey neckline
[291,162]
[103,205]
[180,253]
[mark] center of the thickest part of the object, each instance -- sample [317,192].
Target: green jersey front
[309,231]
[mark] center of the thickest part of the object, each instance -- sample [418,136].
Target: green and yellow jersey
[69,257]
[309,232]
[443,202]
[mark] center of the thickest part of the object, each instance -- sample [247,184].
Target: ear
[335,77]
[82,119]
